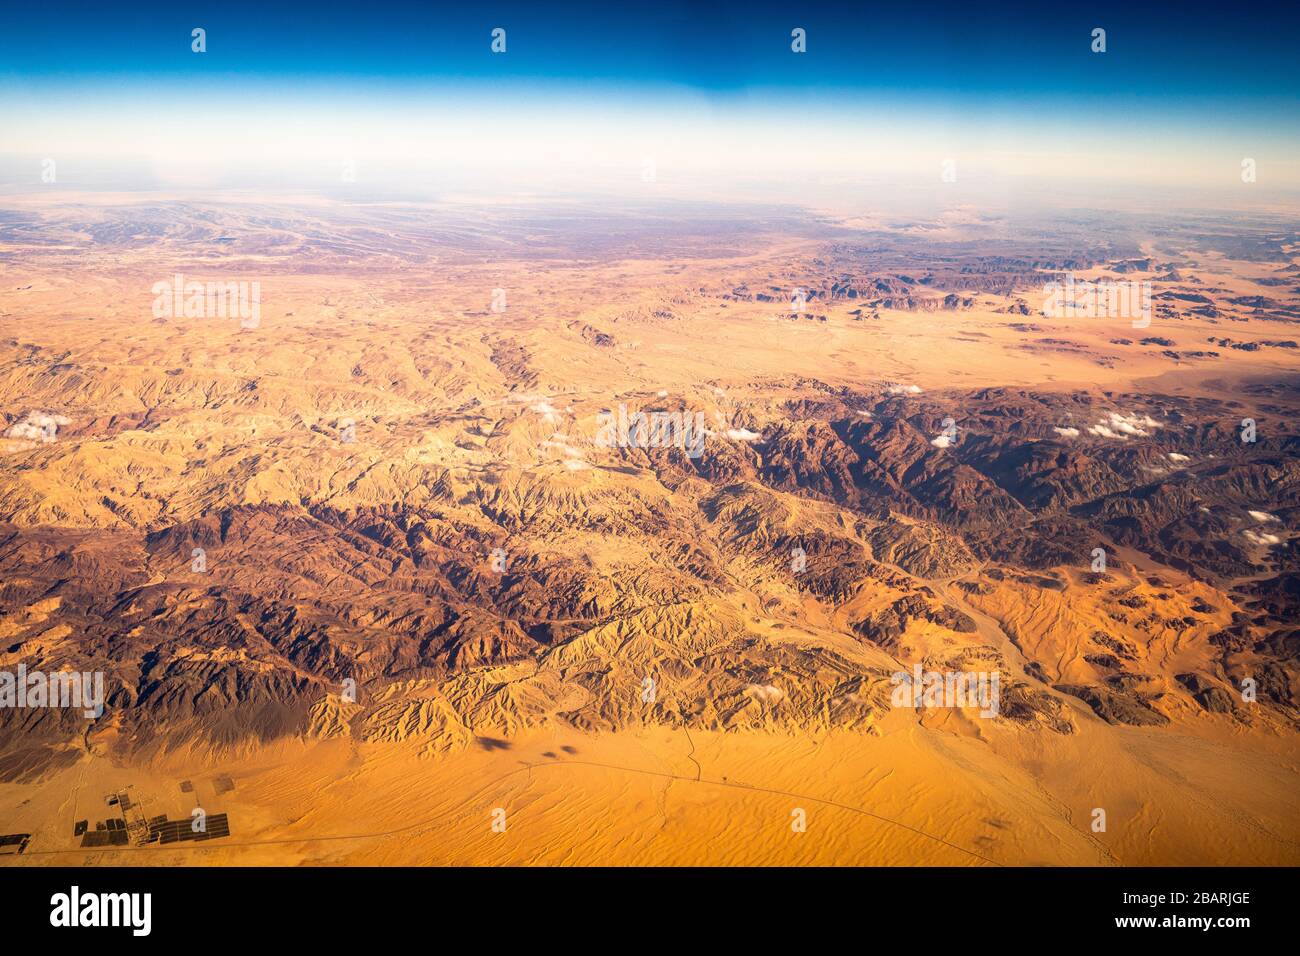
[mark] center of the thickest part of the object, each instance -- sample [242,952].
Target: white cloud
[563,446]
[1262,538]
[764,693]
[38,426]
[1120,426]
[548,411]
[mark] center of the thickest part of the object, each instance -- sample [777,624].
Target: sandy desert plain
[396,485]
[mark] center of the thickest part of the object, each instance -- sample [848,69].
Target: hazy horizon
[692,101]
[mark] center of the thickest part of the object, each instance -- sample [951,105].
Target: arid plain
[439,620]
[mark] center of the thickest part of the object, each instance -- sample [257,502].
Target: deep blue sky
[1179,51]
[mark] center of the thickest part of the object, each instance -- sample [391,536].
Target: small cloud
[743,434]
[1066,432]
[1262,516]
[38,426]
[547,410]
[564,447]
[1104,432]
[764,693]
[1263,539]
[1174,456]
[899,389]
[942,441]
[1120,426]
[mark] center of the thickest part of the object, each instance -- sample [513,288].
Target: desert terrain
[363,575]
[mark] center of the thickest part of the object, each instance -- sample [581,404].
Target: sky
[701,92]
